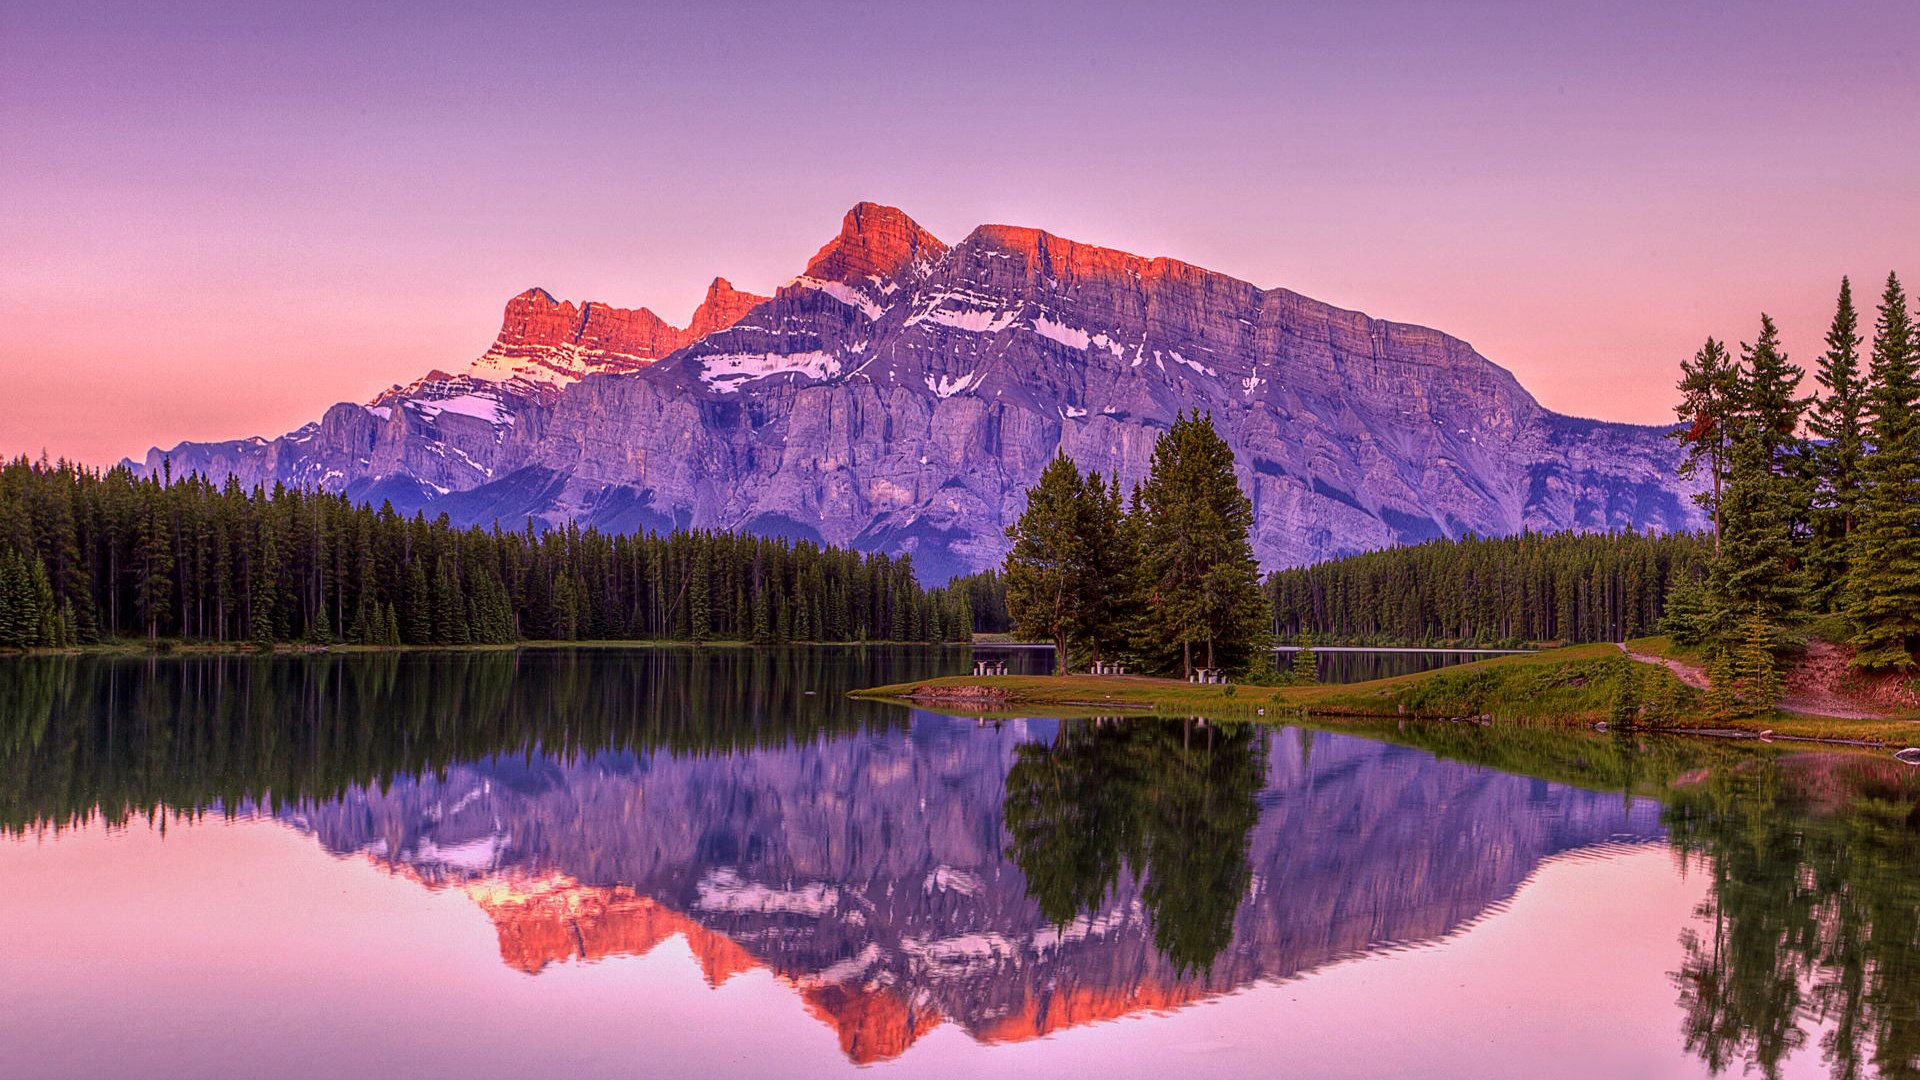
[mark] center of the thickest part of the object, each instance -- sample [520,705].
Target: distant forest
[1573,587]
[89,555]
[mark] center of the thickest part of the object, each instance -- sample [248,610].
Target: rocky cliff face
[901,395]
[873,872]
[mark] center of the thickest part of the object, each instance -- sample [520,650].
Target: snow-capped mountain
[901,395]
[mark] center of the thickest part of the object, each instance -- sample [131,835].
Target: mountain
[901,395]
[875,874]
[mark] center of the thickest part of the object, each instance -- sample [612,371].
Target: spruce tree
[1204,585]
[154,590]
[1047,566]
[1883,587]
[1837,421]
[1306,664]
[1624,711]
[1709,392]
[419,607]
[1722,702]
[1111,597]
[1757,561]
[1755,672]
[700,595]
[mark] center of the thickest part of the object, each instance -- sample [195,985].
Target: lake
[670,862]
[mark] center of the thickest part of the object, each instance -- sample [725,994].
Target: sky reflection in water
[675,863]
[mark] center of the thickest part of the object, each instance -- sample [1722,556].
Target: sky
[216,219]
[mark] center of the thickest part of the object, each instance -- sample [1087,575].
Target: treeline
[1815,499]
[1571,587]
[87,555]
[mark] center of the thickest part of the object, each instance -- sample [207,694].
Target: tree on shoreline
[1709,385]
[1171,573]
[1823,522]
[1203,582]
[1756,562]
[1884,587]
[1836,421]
[1050,567]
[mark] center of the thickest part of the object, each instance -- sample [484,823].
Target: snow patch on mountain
[478,406]
[946,385]
[1071,336]
[727,372]
[846,294]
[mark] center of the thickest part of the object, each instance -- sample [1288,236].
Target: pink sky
[219,219]
[133,947]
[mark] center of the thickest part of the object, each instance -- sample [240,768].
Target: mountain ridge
[901,394]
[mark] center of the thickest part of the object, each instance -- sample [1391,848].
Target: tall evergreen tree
[1204,585]
[1709,393]
[1049,565]
[1111,605]
[155,592]
[1757,562]
[1836,421]
[1884,583]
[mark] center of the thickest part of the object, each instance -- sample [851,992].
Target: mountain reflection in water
[908,870]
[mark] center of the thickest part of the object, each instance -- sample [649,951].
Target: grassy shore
[1568,687]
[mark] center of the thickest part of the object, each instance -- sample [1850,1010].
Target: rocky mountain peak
[722,308]
[913,392]
[874,240]
[1044,255]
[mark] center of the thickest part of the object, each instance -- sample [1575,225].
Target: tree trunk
[1186,658]
[1059,652]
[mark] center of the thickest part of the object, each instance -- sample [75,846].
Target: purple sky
[218,219]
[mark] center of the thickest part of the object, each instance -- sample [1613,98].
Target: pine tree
[1709,390]
[700,596]
[1691,618]
[1722,702]
[154,591]
[1756,563]
[1836,420]
[28,618]
[1306,664]
[419,606]
[1625,709]
[1755,671]
[321,632]
[1048,564]
[1883,587]
[365,627]
[1111,598]
[1203,580]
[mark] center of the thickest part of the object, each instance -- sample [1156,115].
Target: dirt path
[1803,701]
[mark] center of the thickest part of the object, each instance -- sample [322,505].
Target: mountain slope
[901,395]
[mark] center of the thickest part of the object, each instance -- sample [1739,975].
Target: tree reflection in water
[1171,802]
[1813,915]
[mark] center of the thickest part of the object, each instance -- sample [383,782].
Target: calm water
[1359,665]
[669,863]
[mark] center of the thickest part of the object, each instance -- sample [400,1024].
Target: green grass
[1667,649]
[1571,687]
